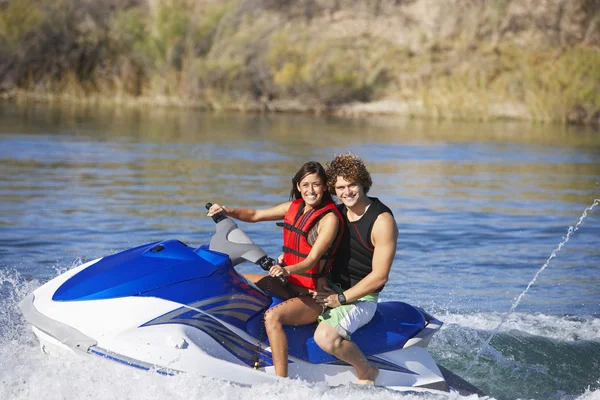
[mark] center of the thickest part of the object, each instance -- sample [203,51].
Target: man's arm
[384,236]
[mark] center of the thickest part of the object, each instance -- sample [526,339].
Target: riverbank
[448,59]
[392,107]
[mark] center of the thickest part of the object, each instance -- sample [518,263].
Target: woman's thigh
[296,311]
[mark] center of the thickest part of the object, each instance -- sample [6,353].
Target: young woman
[312,231]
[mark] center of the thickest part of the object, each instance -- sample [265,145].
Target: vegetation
[453,59]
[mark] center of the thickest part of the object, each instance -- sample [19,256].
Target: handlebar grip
[266,263]
[217,217]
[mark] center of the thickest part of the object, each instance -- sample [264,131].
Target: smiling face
[349,193]
[311,188]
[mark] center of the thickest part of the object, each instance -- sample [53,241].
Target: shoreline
[500,111]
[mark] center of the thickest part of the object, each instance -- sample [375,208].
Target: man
[361,267]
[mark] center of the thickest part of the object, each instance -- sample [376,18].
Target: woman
[312,231]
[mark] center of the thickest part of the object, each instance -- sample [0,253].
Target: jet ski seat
[393,324]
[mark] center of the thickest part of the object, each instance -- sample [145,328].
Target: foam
[566,328]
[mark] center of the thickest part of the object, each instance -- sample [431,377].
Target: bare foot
[370,377]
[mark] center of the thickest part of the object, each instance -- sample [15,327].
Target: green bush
[17,19]
[330,71]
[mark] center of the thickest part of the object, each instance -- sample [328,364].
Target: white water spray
[570,232]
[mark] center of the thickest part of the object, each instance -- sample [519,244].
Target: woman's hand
[216,208]
[278,270]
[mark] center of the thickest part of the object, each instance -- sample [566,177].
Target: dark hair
[311,167]
[351,168]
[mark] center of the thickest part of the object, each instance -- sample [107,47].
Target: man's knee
[327,337]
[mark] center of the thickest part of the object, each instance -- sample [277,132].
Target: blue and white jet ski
[172,308]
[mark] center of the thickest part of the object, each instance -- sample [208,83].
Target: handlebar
[217,217]
[265,262]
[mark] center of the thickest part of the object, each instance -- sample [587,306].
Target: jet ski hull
[174,348]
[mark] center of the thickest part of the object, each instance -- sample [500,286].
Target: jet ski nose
[140,270]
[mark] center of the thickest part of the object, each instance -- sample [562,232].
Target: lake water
[480,207]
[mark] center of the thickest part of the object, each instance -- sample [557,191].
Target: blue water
[480,208]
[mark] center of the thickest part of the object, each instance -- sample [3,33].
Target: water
[570,232]
[480,208]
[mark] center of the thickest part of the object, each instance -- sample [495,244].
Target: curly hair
[351,168]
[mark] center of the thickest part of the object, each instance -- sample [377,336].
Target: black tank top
[354,258]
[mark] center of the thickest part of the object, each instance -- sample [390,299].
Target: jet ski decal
[248,353]
[109,355]
[237,306]
[381,364]
[386,365]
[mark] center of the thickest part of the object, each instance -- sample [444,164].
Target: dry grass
[250,55]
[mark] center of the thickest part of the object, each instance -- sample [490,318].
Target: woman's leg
[296,311]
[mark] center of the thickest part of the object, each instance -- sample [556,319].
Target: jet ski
[171,308]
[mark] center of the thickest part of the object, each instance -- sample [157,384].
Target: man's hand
[326,297]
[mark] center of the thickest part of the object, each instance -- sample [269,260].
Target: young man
[361,267]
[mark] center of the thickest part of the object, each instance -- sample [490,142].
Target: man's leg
[333,343]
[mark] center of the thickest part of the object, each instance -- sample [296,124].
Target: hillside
[535,60]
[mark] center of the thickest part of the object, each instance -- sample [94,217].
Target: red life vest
[296,226]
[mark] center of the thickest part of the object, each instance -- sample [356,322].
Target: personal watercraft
[172,308]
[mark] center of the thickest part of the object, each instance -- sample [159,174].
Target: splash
[13,287]
[564,328]
[570,232]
